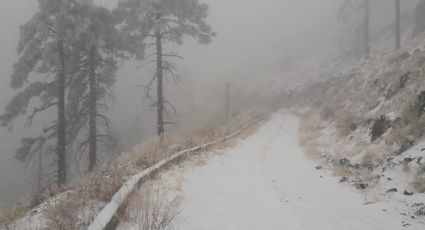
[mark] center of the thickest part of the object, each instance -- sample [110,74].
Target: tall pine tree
[164,22]
[357,40]
[94,68]
[397,24]
[419,18]
[41,74]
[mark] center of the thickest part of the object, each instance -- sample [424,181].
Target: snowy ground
[267,182]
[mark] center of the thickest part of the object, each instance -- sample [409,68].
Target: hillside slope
[366,123]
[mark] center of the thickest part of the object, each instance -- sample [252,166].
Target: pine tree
[366,42]
[420,18]
[95,66]
[41,74]
[358,32]
[164,22]
[397,24]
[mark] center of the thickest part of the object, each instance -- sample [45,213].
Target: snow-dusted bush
[419,183]
[346,122]
[154,212]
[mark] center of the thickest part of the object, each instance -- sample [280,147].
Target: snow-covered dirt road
[266,182]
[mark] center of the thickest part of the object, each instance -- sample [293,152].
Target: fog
[256,41]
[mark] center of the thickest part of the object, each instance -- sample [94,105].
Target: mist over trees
[397,24]
[44,41]
[70,54]
[420,18]
[368,22]
[94,58]
[356,15]
[164,23]
[68,59]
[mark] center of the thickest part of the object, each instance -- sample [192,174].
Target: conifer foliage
[161,23]
[68,54]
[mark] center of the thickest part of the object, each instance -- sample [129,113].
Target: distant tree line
[358,13]
[68,55]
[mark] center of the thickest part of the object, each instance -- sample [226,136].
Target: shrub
[419,183]
[151,210]
[346,122]
[10,214]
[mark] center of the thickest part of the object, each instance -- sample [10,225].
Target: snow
[107,213]
[267,182]
[37,217]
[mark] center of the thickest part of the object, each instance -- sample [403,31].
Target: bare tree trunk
[92,110]
[40,172]
[397,25]
[160,92]
[367,27]
[227,101]
[61,125]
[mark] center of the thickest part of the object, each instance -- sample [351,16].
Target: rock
[421,103]
[406,162]
[417,205]
[345,162]
[33,212]
[343,179]
[420,211]
[361,185]
[407,193]
[379,128]
[398,57]
[318,167]
[403,79]
[418,161]
[369,121]
[392,190]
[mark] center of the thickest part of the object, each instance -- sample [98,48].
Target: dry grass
[72,213]
[310,127]
[102,184]
[398,136]
[419,184]
[409,127]
[376,155]
[150,209]
[354,150]
[9,214]
[339,170]
[346,122]
[62,215]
